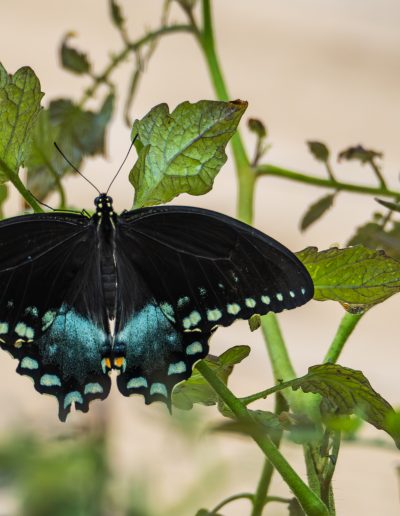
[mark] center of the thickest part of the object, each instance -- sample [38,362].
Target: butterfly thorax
[105,220]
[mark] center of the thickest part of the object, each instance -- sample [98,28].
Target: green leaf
[116,14]
[389,205]
[359,153]
[348,392]
[79,133]
[319,150]
[72,59]
[3,198]
[197,390]
[254,322]
[20,97]
[316,210]
[373,236]
[357,277]
[181,152]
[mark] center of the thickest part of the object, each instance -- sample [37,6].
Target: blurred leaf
[295,508]
[256,126]
[3,197]
[205,512]
[357,277]
[80,133]
[348,425]
[116,14]
[319,150]
[390,205]
[348,392]
[373,236]
[316,210]
[254,322]
[72,59]
[20,97]
[197,390]
[359,153]
[66,478]
[182,152]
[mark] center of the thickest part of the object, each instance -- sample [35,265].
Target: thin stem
[272,170]
[123,54]
[233,498]
[327,475]
[345,329]
[329,171]
[378,174]
[259,496]
[310,502]
[16,181]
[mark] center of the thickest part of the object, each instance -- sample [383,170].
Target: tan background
[311,70]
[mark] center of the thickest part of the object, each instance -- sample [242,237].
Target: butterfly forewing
[183,271]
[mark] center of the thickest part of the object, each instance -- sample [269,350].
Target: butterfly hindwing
[49,312]
[182,272]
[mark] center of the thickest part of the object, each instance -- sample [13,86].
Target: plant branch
[345,329]
[19,185]
[123,54]
[272,170]
[310,502]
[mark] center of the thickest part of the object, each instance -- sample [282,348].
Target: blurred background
[310,70]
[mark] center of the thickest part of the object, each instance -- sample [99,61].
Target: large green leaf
[348,392]
[182,151]
[79,133]
[197,390]
[20,97]
[356,276]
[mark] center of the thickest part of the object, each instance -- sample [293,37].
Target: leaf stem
[233,498]
[272,170]
[345,329]
[310,502]
[19,185]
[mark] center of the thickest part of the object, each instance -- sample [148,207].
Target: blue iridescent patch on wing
[158,354]
[66,361]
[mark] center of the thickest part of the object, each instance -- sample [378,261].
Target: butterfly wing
[51,317]
[181,273]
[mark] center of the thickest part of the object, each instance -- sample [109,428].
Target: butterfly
[141,292]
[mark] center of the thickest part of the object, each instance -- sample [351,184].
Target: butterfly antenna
[74,167]
[122,164]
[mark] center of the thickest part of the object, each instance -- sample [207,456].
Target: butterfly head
[104,204]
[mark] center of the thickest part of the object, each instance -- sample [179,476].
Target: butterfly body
[140,292]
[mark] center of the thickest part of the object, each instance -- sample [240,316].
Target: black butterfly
[140,292]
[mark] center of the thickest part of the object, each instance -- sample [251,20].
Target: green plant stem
[19,185]
[345,329]
[245,174]
[123,54]
[272,170]
[230,499]
[262,487]
[310,502]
